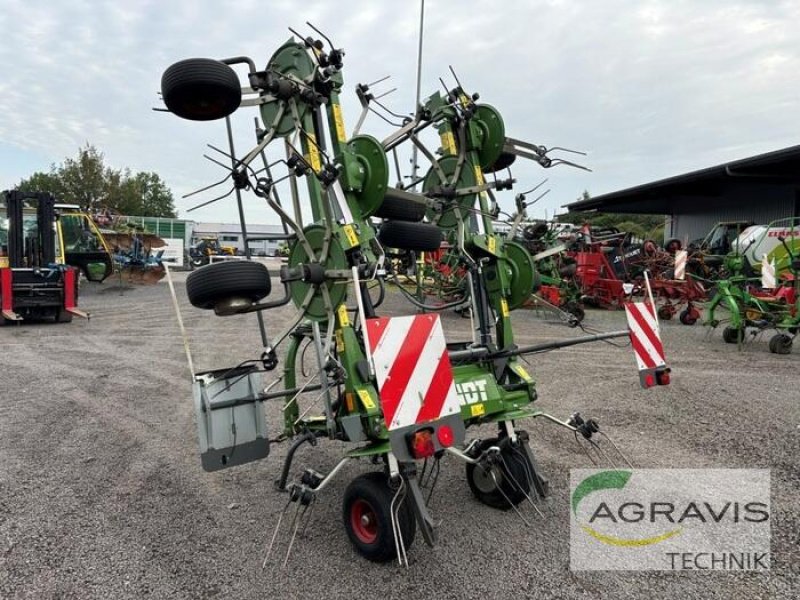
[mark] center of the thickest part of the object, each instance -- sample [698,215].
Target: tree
[87,181]
[641,226]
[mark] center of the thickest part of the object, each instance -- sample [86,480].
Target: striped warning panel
[645,338]
[680,264]
[415,378]
[768,279]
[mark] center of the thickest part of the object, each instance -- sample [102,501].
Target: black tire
[366,511]
[673,245]
[687,318]
[731,335]
[512,475]
[63,316]
[665,313]
[780,344]
[226,280]
[201,89]
[398,209]
[419,237]
[576,310]
[535,231]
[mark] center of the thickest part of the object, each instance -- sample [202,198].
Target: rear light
[421,443]
[649,380]
[445,436]
[662,377]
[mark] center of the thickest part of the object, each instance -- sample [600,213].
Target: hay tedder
[391,388]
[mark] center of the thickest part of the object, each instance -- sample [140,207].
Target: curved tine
[298,516]
[437,466]
[560,161]
[519,488]
[248,158]
[510,503]
[310,509]
[225,195]
[427,153]
[288,220]
[375,112]
[208,187]
[391,112]
[275,535]
[422,473]
[584,449]
[562,149]
[394,512]
[610,441]
[602,452]
[216,162]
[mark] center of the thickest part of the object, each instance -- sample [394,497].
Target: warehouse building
[760,189]
[230,234]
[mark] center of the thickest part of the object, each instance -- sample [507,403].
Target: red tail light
[421,443]
[662,377]
[649,380]
[445,436]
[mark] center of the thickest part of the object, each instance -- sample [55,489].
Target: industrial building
[760,189]
[230,234]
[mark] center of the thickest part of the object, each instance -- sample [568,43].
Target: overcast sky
[649,89]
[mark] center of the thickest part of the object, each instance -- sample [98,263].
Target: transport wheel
[366,511]
[780,344]
[576,310]
[234,280]
[688,317]
[420,237]
[511,475]
[731,335]
[665,313]
[398,209]
[201,89]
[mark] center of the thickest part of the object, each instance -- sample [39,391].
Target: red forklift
[35,284]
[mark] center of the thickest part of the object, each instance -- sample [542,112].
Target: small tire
[366,512]
[398,209]
[419,237]
[780,344]
[201,89]
[673,245]
[511,474]
[211,284]
[665,313]
[731,335]
[688,317]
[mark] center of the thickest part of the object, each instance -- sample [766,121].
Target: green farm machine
[391,388]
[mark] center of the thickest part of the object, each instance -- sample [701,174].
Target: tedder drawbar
[392,388]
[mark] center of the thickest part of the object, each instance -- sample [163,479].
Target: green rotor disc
[466,178]
[373,175]
[336,260]
[523,274]
[290,59]
[494,135]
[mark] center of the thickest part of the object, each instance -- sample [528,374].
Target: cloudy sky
[649,89]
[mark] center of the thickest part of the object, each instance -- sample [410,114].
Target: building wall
[693,218]
[229,234]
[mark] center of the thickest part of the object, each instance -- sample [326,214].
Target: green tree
[87,181]
[641,226]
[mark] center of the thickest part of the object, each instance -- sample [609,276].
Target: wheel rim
[364,522]
[483,480]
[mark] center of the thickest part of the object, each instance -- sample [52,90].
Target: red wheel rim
[364,522]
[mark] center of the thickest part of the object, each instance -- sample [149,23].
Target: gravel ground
[102,494]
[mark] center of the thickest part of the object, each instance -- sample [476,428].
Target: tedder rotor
[392,388]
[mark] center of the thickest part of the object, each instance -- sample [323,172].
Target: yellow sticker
[503,307]
[479,180]
[522,372]
[477,410]
[448,142]
[344,319]
[366,399]
[339,121]
[464,100]
[313,153]
[491,244]
[340,339]
[350,234]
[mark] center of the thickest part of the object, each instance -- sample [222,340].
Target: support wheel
[420,237]
[731,335]
[511,481]
[665,313]
[236,283]
[201,89]
[780,344]
[366,511]
[688,317]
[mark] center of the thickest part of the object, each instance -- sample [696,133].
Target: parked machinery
[393,389]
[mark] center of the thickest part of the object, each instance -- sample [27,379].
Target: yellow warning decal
[339,122]
[477,410]
[479,180]
[503,307]
[350,234]
[340,340]
[464,100]
[448,142]
[491,244]
[366,399]
[313,153]
[522,373]
[344,319]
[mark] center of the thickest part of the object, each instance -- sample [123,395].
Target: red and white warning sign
[680,264]
[646,342]
[415,378]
